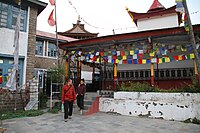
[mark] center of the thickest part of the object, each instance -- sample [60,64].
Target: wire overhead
[103,28]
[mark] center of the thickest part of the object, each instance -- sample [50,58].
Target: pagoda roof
[78,30]
[156,6]
[153,12]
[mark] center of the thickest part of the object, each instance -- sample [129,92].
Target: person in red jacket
[68,98]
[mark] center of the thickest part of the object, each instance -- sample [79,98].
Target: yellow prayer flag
[144,61]
[152,54]
[131,52]
[192,56]
[124,57]
[117,61]
[98,60]
[160,60]
[167,59]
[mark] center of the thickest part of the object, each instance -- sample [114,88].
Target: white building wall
[169,106]
[7,42]
[159,22]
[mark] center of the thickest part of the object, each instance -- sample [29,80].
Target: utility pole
[192,39]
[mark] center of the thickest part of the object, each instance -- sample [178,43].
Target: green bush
[139,87]
[43,101]
[20,113]
[56,109]
[145,87]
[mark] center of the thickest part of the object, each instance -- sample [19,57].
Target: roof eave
[41,5]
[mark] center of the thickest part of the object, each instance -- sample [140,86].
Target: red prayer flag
[139,61]
[1,79]
[122,53]
[51,20]
[176,57]
[52,2]
[124,61]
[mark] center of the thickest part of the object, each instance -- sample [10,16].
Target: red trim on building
[127,36]
[137,16]
[156,6]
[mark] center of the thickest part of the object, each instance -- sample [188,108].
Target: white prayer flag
[11,84]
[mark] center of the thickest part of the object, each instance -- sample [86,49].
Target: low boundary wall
[169,106]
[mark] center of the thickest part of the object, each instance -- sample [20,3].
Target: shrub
[43,101]
[20,113]
[145,87]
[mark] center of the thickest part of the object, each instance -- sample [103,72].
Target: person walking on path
[68,98]
[81,89]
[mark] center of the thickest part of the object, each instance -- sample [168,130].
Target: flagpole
[56,34]
[192,39]
[16,74]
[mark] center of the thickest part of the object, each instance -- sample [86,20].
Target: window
[156,74]
[185,73]
[136,74]
[39,48]
[146,74]
[173,73]
[1,61]
[167,73]
[141,74]
[178,73]
[39,74]
[122,74]
[52,50]
[8,16]
[131,74]
[127,75]
[162,74]
[11,62]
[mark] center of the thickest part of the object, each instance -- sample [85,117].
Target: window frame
[11,10]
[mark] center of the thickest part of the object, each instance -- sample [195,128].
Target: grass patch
[54,110]
[20,114]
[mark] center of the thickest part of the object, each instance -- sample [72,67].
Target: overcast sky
[104,14]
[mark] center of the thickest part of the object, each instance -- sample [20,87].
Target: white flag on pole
[11,84]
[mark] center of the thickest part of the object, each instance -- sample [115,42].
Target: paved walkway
[97,123]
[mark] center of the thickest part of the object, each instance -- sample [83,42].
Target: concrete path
[97,123]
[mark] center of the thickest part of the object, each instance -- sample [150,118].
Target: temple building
[157,17]
[160,53]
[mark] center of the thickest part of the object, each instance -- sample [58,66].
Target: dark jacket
[68,93]
[81,89]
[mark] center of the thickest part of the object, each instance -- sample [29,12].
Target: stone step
[89,100]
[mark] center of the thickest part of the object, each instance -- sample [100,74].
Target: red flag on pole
[51,20]
[52,2]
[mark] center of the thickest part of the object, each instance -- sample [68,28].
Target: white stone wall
[169,106]
[165,21]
